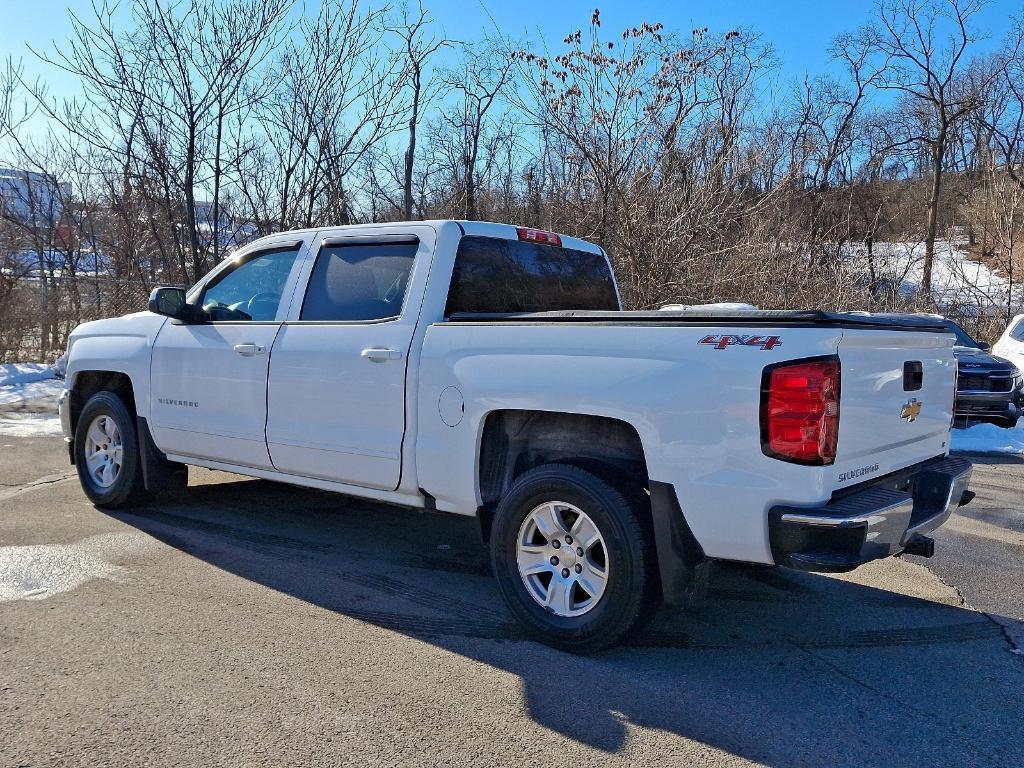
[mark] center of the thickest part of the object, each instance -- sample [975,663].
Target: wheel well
[88,383]
[515,441]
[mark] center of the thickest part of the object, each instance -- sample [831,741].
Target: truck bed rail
[698,317]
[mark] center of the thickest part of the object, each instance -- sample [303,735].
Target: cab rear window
[496,275]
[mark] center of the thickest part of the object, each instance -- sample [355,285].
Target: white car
[488,370]
[1011,343]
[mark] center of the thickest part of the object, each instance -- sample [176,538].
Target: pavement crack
[42,482]
[1005,624]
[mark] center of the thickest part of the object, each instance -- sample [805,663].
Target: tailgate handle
[913,375]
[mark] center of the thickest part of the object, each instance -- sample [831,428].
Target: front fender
[118,345]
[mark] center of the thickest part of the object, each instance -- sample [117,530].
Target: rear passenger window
[496,275]
[1018,331]
[359,282]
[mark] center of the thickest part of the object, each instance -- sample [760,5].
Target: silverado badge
[911,410]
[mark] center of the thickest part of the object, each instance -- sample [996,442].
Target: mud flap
[682,565]
[159,475]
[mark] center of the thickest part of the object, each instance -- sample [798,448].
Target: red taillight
[800,411]
[538,236]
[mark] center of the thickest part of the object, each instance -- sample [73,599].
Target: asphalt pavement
[980,550]
[250,623]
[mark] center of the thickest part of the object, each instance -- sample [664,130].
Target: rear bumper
[870,522]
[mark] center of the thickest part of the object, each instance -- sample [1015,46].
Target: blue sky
[799,30]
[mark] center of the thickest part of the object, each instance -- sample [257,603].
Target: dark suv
[988,388]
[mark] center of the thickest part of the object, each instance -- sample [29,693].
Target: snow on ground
[956,280]
[24,382]
[24,373]
[33,391]
[29,425]
[28,400]
[988,438]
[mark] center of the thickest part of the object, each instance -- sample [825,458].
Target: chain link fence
[36,315]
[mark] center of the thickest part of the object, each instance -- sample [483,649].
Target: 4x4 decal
[723,340]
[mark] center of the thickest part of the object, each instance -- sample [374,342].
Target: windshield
[962,337]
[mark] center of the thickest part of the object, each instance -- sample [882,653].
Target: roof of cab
[476,228]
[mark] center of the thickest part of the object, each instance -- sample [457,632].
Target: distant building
[230,233]
[32,198]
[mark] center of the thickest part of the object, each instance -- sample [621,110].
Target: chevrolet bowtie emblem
[911,410]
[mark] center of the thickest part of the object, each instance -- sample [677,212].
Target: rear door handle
[379,353]
[248,350]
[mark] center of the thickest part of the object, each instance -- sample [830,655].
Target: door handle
[248,350]
[379,353]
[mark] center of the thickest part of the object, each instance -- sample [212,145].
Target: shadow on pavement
[779,667]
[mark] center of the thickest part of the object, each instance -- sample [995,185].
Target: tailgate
[891,417]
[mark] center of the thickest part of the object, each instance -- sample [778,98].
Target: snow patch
[24,373]
[46,390]
[21,383]
[28,400]
[957,281]
[988,438]
[29,425]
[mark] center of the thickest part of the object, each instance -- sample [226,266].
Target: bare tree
[925,45]
[466,130]
[339,93]
[1001,119]
[204,122]
[419,47]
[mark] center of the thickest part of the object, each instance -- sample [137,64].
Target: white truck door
[337,399]
[209,379]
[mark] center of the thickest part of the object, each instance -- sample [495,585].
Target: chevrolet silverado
[488,370]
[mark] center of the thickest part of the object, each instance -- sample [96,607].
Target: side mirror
[171,302]
[984,347]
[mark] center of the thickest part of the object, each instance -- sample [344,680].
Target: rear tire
[569,605]
[107,453]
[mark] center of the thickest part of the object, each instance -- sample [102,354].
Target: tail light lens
[800,411]
[538,236]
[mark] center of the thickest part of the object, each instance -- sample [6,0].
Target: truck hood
[136,324]
[977,361]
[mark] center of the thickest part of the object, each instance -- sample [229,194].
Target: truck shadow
[780,668]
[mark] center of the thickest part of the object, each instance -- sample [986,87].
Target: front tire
[571,558]
[107,453]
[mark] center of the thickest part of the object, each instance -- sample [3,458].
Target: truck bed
[696,407]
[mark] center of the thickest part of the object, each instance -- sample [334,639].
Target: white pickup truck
[488,370]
